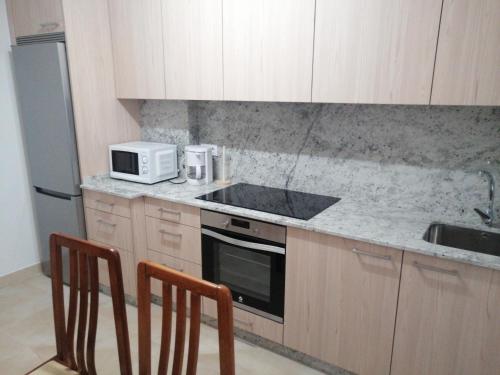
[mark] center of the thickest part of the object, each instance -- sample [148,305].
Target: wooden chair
[83,269]
[197,288]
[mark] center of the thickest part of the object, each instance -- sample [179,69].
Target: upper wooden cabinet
[378,51]
[268,46]
[192,33]
[341,299]
[448,319]
[136,32]
[468,55]
[31,17]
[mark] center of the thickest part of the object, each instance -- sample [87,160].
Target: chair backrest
[84,276]
[197,288]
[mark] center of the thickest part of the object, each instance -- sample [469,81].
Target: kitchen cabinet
[136,33]
[448,318]
[174,212]
[341,298]
[268,47]
[379,51]
[192,35]
[249,322]
[32,17]
[468,55]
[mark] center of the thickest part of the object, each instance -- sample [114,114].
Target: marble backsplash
[397,157]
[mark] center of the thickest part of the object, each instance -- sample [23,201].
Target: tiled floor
[27,337]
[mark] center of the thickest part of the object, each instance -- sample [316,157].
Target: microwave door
[125,162]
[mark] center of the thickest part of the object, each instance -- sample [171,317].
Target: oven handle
[246,244]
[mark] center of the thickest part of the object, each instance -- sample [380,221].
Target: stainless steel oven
[248,256]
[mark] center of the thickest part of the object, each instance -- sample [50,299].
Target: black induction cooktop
[275,201]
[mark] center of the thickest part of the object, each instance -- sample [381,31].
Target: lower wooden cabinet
[175,264]
[129,276]
[448,319]
[341,299]
[249,322]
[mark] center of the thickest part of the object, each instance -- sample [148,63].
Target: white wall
[18,242]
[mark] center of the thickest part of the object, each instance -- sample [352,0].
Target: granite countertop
[352,218]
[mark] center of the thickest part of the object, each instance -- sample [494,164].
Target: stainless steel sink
[464,238]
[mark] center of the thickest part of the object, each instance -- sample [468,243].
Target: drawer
[174,212]
[128,271]
[112,230]
[106,203]
[249,322]
[174,239]
[176,264]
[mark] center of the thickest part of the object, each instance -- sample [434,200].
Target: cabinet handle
[164,232]
[373,255]
[111,205]
[49,26]
[174,268]
[100,221]
[170,212]
[422,266]
[248,324]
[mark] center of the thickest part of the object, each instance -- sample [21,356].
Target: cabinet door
[136,33]
[378,51]
[31,17]
[268,46]
[468,55]
[193,49]
[448,319]
[340,303]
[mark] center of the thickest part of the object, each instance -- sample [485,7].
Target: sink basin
[464,238]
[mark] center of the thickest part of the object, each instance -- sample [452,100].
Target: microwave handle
[245,244]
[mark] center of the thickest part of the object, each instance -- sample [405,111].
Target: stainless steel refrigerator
[44,98]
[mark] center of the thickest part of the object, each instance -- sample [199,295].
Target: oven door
[254,270]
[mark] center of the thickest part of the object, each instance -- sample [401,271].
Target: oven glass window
[125,162]
[245,272]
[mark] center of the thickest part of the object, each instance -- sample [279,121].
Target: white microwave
[145,162]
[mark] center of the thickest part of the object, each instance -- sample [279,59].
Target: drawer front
[106,203]
[128,271]
[176,264]
[248,322]
[112,230]
[174,212]
[174,239]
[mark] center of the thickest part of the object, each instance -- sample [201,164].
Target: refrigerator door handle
[54,194]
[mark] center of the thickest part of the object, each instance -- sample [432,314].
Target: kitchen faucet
[488,217]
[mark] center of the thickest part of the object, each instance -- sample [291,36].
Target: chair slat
[144,317]
[194,334]
[82,317]
[180,332]
[94,310]
[73,305]
[166,329]
[58,300]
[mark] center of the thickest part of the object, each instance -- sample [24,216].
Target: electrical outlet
[215,148]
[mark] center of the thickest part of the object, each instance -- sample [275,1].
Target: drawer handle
[422,266]
[170,212]
[111,205]
[242,322]
[174,268]
[373,255]
[166,233]
[49,26]
[100,221]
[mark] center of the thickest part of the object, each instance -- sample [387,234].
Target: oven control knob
[256,230]
[240,299]
[225,224]
[144,159]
